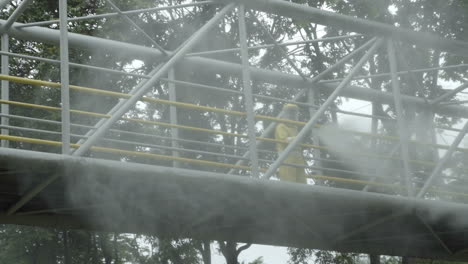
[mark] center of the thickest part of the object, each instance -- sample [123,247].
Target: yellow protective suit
[289,173]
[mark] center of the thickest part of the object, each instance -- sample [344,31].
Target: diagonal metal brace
[267,131]
[128,104]
[129,20]
[305,130]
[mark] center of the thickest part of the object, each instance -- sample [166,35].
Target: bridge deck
[126,197]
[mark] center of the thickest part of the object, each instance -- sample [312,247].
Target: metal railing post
[402,129]
[312,99]
[64,77]
[5,89]
[173,117]
[248,97]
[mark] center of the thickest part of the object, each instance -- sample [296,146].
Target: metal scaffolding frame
[263,163]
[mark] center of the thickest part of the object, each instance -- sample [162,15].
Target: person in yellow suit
[287,132]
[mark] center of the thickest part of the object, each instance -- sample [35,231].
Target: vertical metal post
[305,130]
[404,150]
[435,150]
[441,164]
[5,88]
[17,13]
[248,97]
[64,77]
[173,117]
[312,99]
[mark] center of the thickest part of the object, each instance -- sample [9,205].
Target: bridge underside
[123,197]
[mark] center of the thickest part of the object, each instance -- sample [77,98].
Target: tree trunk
[105,249]
[205,251]
[229,250]
[408,260]
[374,259]
[66,248]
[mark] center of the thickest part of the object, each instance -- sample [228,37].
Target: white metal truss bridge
[83,178]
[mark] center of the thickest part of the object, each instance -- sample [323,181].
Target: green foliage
[170,29]
[258,260]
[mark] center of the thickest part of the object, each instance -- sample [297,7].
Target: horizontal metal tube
[283,44]
[349,23]
[216,66]
[158,137]
[133,133]
[209,153]
[131,12]
[135,143]
[77,65]
[387,75]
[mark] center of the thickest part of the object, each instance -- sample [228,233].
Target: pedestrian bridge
[105,195]
[390,188]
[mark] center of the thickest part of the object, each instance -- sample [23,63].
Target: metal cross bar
[131,12]
[368,226]
[215,66]
[134,143]
[271,127]
[21,8]
[247,87]
[77,65]
[281,48]
[449,94]
[283,44]
[126,105]
[315,15]
[173,116]
[147,76]
[118,131]
[305,130]
[64,77]
[402,128]
[442,162]
[5,87]
[382,75]
[129,20]
[386,75]
[435,235]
